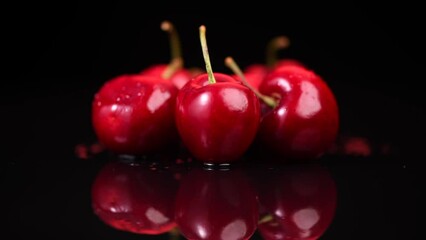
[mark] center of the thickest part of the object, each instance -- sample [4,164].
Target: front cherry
[134,114]
[217,116]
[131,197]
[215,205]
[217,122]
[304,122]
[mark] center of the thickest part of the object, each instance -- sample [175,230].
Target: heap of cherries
[281,108]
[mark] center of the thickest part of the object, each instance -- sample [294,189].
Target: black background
[58,55]
[376,47]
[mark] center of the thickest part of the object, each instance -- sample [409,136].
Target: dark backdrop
[56,56]
[61,48]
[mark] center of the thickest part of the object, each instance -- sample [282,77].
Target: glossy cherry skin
[216,205]
[305,122]
[178,78]
[217,122]
[135,198]
[134,114]
[300,199]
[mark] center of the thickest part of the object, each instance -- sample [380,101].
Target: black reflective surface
[370,187]
[52,167]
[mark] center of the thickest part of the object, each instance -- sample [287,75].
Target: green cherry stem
[175,46]
[172,67]
[206,54]
[275,44]
[265,219]
[229,62]
[176,62]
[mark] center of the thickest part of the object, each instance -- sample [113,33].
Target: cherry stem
[265,219]
[206,54]
[275,44]
[172,67]
[229,62]
[175,46]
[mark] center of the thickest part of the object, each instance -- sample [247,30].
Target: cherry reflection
[135,197]
[216,204]
[296,201]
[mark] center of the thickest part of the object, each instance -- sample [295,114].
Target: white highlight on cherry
[234,230]
[234,99]
[156,216]
[308,104]
[157,99]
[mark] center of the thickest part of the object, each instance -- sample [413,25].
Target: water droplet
[96,148]
[118,99]
[81,151]
[139,94]
[127,96]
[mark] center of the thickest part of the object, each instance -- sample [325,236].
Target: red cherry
[173,71]
[134,114]
[217,116]
[304,122]
[217,122]
[298,202]
[135,198]
[216,204]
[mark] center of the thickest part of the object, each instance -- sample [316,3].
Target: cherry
[216,204]
[300,118]
[216,115]
[179,76]
[134,114]
[304,122]
[132,197]
[296,202]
